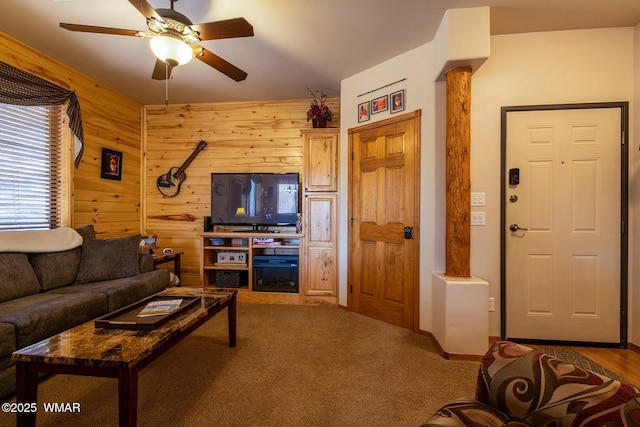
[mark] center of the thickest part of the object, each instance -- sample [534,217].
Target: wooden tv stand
[228,262]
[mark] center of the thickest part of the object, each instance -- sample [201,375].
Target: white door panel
[563,271]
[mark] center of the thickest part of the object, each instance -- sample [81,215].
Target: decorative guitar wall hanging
[169,184]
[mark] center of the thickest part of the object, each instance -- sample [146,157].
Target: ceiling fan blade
[146,9]
[162,70]
[103,30]
[230,28]
[219,64]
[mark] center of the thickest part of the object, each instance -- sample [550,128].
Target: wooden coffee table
[116,353]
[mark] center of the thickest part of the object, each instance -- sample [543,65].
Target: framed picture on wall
[111,164]
[380,104]
[397,101]
[363,112]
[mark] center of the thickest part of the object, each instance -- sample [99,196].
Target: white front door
[563,224]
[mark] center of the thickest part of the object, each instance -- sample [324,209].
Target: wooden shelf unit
[210,267]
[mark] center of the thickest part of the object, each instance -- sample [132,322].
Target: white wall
[529,69]
[523,69]
[416,66]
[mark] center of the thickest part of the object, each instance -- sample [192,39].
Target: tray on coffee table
[127,317]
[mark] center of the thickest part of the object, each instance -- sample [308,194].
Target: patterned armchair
[519,386]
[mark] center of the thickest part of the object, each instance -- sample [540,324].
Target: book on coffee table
[160,307]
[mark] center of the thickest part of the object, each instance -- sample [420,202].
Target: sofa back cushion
[540,389]
[87,232]
[106,259]
[56,269]
[17,278]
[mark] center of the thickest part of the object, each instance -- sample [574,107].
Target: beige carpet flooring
[293,366]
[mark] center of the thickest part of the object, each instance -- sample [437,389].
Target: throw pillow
[87,231]
[17,278]
[106,259]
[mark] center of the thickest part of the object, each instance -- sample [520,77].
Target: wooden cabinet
[319,212]
[321,160]
[228,261]
[321,240]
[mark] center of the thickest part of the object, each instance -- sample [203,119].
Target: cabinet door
[321,238]
[321,269]
[321,161]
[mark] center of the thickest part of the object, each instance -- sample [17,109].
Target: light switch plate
[477,218]
[477,199]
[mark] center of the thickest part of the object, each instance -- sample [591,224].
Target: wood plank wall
[240,136]
[110,120]
[244,136]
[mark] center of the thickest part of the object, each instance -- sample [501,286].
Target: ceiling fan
[174,38]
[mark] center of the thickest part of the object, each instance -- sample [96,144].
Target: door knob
[515,227]
[408,233]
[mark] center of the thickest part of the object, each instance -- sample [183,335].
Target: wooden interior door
[383,264]
[563,225]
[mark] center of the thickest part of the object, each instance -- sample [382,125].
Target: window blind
[30,167]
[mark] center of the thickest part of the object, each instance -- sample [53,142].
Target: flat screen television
[256,199]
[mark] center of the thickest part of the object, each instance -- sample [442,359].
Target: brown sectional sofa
[42,294]
[519,386]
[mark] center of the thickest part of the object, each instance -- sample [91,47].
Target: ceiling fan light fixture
[171,49]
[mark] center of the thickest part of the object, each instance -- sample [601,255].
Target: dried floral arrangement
[318,106]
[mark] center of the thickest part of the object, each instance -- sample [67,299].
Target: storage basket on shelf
[227,279]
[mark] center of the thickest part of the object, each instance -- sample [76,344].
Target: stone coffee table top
[86,345]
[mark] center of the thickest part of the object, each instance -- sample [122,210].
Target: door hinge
[622,228]
[623,138]
[352,156]
[351,288]
[352,219]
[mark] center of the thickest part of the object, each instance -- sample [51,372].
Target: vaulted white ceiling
[297,43]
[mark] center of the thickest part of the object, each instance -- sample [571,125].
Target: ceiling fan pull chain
[166,85]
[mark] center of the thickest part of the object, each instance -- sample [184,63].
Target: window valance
[18,87]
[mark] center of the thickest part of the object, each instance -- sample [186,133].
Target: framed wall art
[363,112]
[397,101]
[111,164]
[380,104]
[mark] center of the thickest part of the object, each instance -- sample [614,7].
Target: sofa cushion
[7,380]
[466,412]
[543,390]
[121,292]
[56,269]
[106,259]
[6,362]
[7,340]
[47,266]
[145,262]
[36,317]
[17,278]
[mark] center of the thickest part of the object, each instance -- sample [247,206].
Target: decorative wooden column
[458,168]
